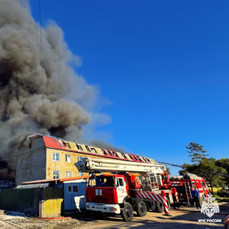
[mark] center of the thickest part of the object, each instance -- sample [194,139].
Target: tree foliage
[213,171]
[224,163]
[196,151]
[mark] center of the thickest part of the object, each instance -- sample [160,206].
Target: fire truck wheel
[153,205]
[160,207]
[141,208]
[127,212]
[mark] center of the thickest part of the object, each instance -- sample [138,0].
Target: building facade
[44,157]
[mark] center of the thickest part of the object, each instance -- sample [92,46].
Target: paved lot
[179,219]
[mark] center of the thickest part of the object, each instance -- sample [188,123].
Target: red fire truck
[184,183]
[127,188]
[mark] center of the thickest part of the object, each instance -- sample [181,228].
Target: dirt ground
[185,217]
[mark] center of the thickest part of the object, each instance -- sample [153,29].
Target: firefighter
[196,196]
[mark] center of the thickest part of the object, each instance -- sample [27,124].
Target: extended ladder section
[94,165]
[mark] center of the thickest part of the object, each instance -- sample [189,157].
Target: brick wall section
[31,162]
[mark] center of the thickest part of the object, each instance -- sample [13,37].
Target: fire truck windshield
[101,181]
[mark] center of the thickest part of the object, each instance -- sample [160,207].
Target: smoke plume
[39,90]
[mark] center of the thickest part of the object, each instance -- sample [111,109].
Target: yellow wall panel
[62,165]
[53,202]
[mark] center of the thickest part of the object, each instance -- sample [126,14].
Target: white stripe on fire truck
[138,194]
[152,196]
[143,195]
[155,197]
[147,194]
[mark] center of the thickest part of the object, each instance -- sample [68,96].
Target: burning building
[43,157]
[39,89]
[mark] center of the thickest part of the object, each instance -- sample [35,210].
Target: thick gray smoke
[39,90]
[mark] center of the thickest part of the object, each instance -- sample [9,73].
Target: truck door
[121,189]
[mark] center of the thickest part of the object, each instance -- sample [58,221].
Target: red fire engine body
[184,184]
[128,189]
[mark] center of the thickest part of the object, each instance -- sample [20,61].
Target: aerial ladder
[125,187]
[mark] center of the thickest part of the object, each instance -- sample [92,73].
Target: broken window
[79,147]
[87,148]
[56,174]
[94,150]
[104,152]
[115,154]
[110,152]
[124,156]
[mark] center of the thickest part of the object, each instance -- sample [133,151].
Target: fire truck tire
[153,205]
[141,208]
[127,212]
[159,207]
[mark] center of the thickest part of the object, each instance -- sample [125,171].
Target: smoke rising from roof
[39,90]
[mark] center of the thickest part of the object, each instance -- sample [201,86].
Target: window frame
[79,147]
[68,172]
[66,158]
[54,158]
[77,187]
[58,174]
[93,150]
[87,148]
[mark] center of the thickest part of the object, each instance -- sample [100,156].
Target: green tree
[224,163]
[196,152]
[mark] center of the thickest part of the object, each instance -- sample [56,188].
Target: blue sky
[162,64]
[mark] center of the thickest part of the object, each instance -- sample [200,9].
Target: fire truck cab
[106,192]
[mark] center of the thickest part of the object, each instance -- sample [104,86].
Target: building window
[104,152]
[87,148]
[66,145]
[69,188]
[68,158]
[115,154]
[75,188]
[68,174]
[124,156]
[56,174]
[94,150]
[55,156]
[79,147]
[80,174]
[110,152]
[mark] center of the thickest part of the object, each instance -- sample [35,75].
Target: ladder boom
[105,165]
